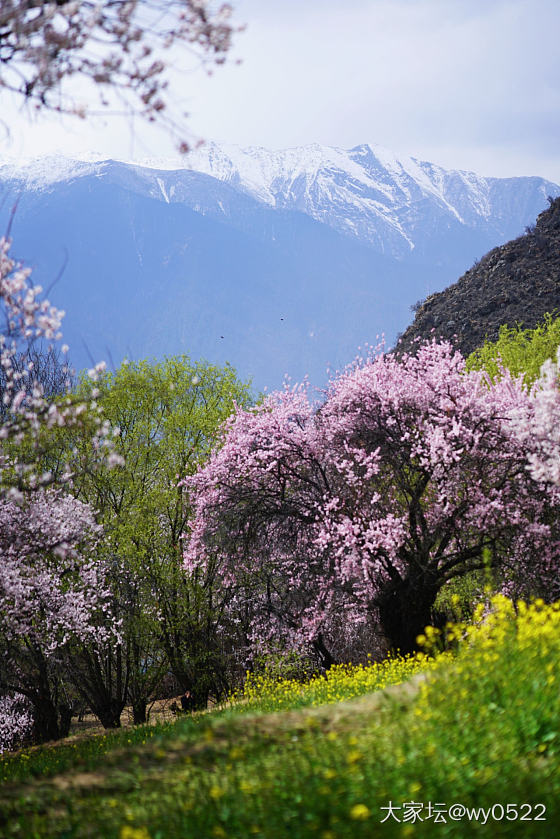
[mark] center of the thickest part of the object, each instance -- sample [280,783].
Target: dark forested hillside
[516,283]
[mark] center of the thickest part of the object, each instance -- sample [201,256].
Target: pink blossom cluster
[27,314]
[360,509]
[16,721]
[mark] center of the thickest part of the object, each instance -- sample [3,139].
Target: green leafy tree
[168,417]
[521,351]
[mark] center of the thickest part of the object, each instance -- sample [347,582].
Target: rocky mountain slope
[516,283]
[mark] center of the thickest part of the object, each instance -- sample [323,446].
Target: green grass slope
[470,748]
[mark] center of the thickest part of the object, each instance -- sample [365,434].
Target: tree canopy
[168,416]
[521,351]
[355,513]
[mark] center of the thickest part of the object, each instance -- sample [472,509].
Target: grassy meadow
[439,736]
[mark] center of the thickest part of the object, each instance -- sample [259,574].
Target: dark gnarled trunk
[405,609]
[109,714]
[323,653]
[45,723]
[65,719]
[103,683]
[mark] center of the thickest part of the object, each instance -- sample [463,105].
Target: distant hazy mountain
[279,262]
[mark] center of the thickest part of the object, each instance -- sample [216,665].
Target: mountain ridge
[372,191]
[161,261]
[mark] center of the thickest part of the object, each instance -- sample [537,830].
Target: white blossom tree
[538,425]
[51,593]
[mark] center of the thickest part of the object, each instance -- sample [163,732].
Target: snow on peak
[369,185]
[271,175]
[367,192]
[262,172]
[40,172]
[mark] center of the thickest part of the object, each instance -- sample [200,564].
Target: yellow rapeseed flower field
[340,682]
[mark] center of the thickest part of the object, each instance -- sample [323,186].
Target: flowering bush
[340,682]
[506,669]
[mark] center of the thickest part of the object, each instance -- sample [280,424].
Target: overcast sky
[471,84]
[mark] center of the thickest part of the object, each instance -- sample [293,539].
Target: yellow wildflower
[360,812]
[128,832]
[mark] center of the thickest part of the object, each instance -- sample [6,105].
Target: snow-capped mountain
[296,257]
[385,201]
[367,191]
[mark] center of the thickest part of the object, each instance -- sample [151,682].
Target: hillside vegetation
[521,351]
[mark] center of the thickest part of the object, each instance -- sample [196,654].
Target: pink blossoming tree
[351,516]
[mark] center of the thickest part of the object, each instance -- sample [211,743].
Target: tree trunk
[109,715]
[139,712]
[405,609]
[200,696]
[65,717]
[102,684]
[46,723]
[323,654]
